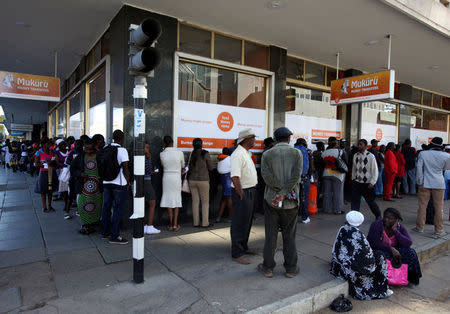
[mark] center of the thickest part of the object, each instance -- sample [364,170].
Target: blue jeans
[113,195]
[304,198]
[379,184]
[409,181]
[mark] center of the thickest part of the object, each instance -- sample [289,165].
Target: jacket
[375,236]
[390,163]
[410,157]
[199,171]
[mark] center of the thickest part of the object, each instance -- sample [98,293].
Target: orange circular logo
[225,121]
[379,134]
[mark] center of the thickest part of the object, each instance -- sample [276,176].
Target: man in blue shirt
[305,179]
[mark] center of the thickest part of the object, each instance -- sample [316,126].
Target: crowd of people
[96,177]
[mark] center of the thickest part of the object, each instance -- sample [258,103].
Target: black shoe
[45,210]
[51,209]
[119,240]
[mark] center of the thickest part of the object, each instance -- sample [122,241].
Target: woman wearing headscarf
[198,176]
[354,260]
[392,239]
[172,161]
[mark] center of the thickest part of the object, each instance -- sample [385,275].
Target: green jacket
[281,169]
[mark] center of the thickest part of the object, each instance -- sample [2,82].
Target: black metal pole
[140,97]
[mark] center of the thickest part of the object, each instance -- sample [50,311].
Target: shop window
[429,120]
[314,73]
[379,121]
[61,131]
[416,96]
[97,104]
[256,56]
[195,41]
[446,103]
[227,48]
[295,69]
[53,124]
[76,116]
[426,99]
[437,101]
[207,84]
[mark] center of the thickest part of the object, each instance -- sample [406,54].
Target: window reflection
[53,124]
[97,105]
[311,102]
[227,48]
[314,73]
[195,41]
[61,132]
[379,112]
[76,116]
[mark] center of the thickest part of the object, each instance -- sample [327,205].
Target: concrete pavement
[47,266]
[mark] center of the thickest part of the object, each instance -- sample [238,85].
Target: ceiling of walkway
[313,29]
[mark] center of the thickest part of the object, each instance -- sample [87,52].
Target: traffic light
[143,56]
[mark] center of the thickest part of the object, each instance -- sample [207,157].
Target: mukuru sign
[369,87]
[27,86]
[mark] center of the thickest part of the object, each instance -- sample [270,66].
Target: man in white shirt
[115,192]
[244,180]
[364,178]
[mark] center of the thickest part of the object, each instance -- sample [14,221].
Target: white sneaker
[151,230]
[306,221]
[389,292]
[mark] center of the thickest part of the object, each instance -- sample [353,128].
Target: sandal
[176,228]
[170,228]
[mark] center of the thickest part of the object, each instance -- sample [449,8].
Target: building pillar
[353,117]
[278,61]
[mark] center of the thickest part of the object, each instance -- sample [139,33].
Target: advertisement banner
[375,86]
[383,133]
[313,129]
[27,86]
[217,125]
[420,136]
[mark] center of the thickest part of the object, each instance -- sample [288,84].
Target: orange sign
[325,134]
[27,86]
[225,121]
[379,134]
[213,143]
[369,87]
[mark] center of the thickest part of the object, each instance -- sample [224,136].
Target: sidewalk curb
[307,301]
[320,297]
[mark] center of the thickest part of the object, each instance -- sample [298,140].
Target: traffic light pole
[140,97]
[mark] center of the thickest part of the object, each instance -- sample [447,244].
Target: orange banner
[325,134]
[213,143]
[369,87]
[27,86]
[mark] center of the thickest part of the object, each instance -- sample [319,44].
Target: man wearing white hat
[244,180]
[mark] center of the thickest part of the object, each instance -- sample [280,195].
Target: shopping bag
[398,275]
[185,186]
[312,199]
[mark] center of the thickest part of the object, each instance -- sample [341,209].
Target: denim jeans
[379,184]
[113,195]
[409,181]
[304,198]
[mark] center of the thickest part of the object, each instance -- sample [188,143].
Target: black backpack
[109,166]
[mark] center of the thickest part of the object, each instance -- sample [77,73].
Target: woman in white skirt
[172,161]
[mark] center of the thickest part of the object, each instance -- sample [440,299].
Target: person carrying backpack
[116,180]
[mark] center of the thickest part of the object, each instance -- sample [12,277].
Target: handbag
[341,166]
[397,273]
[185,185]
[341,304]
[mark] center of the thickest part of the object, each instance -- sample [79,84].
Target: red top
[401,164]
[44,158]
[390,163]
[391,241]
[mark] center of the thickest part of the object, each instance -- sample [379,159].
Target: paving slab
[10,299]
[75,260]
[22,256]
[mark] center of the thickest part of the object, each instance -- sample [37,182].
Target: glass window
[219,86]
[61,130]
[76,116]
[97,52]
[429,120]
[256,56]
[437,101]
[314,73]
[53,124]
[105,43]
[426,99]
[446,103]
[295,69]
[195,41]
[227,48]
[379,121]
[97,104]
[416,96]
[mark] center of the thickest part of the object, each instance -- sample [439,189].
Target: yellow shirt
[242,166]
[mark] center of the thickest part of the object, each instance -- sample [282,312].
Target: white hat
[58,141]
[246,133]
[354,218]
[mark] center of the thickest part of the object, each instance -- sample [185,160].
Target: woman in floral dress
[353,260]
[88,187]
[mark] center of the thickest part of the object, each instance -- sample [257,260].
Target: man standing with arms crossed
[281,169]
[244,180]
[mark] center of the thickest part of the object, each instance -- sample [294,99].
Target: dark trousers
[304,199]
[286,219]
[242,220]
[117,195]
[362,189]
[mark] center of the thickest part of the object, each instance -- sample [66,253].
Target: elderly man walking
[281,169]
[430,168]
[244,180]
